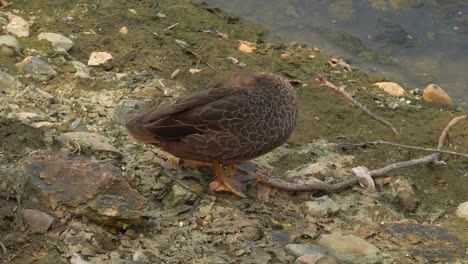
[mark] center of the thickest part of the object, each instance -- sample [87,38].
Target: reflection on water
[414,42]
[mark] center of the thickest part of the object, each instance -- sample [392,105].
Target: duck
[241,118]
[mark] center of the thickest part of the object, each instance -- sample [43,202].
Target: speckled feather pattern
[243,117]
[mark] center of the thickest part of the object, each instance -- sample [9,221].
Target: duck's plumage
[243,117]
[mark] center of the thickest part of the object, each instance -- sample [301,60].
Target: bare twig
[4,249]
[171,26]
[342,90]
[339,186]
[4,3]
[408,147]
[444,133]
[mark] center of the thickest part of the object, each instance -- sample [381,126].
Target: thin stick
[339,186]
[4,4]
[444,133]
[342,90]
[171,26]
[195,55]
[408,147]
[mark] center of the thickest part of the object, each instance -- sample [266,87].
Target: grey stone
[37,221]
[58,41]
[351,248]
[37,68]
[82,70]
[9,46]
[323,206]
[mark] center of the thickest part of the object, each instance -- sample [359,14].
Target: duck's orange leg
[223,183]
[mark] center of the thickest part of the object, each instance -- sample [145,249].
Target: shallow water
[411,42]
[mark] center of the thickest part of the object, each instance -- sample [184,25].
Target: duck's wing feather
[193,114]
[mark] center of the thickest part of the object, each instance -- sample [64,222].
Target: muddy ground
[219,228]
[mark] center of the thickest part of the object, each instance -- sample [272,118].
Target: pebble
[393,89]
[82,70]
[436,95]
[9,46]
[17,26]
[178,195]
[58,41]
[404,194]
[321,207]
[462,211]
[37,221]
[99,58]
[37,68]
[123,30]
[350,248]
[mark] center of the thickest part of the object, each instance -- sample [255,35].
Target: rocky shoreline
[75,188]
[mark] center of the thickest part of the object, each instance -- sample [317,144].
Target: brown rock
[404,194]
[434,94]
[85,187]
[391,88]
[37,221]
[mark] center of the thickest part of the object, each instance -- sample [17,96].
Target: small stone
[140,258]
[436,95]
[233,60]
[58,41]
[99,58]
[37,68]
[37,221]
[9,46]
[81,70]
[462,211]
[284,56]
[174,74]
[123,30]
[391,88]
[321,207]
[307,259]
[178,195]
[404,194]
[351,248]
[17,26]
[82,140]
[195,71]
[247,47]
[8,82]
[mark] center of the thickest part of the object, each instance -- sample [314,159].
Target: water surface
[413,42]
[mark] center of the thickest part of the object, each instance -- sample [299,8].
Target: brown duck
[241,118]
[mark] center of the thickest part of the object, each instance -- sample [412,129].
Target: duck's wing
[192,114]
